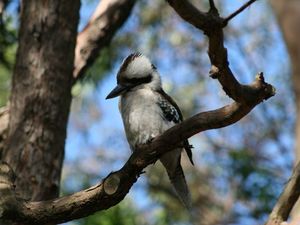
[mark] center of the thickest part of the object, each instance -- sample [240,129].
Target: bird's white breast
[142,117]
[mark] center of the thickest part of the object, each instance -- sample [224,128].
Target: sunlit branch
[108,17]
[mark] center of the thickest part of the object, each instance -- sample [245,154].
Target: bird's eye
[142,80]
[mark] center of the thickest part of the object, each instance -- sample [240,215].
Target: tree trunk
[288,16]
[41,95]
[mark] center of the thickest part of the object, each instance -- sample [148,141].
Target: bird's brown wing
[172,113]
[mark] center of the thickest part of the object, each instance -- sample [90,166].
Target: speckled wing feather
[172,112]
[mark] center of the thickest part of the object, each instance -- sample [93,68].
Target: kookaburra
[147,111]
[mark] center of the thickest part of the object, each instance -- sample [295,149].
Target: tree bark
[41,96]
[108,17]
[42,81]
[41,121]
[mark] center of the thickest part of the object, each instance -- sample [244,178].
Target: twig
[212,6]
[247,4]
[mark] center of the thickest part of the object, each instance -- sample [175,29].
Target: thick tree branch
[212,25]
[41,96]
[203,21]
[108,17]
[116,185]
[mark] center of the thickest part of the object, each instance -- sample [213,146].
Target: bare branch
[192,15]
[287,199]
[212,25]
[247,4]
[108,17]
[212,6]
[116,185]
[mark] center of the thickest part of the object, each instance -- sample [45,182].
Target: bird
[147,111]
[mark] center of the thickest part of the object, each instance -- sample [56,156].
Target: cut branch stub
[258,91]
[265,90]
[213,7]
[111,183]
[214,72]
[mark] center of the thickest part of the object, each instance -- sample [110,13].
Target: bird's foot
[149,141]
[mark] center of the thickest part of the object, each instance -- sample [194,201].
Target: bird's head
[136,72]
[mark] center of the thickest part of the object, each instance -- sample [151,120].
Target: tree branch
[117,184]
[212,6]
[212,25]
[108,17]
[287,199]
[201,20]
[247,4]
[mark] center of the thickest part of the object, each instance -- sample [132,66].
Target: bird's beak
[118,90]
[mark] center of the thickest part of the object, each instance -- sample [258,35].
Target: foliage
[122,214]
[8,45]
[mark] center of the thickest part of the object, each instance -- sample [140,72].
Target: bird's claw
[149,141]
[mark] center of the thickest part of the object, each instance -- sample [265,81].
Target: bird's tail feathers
[177,179]
[179,183]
